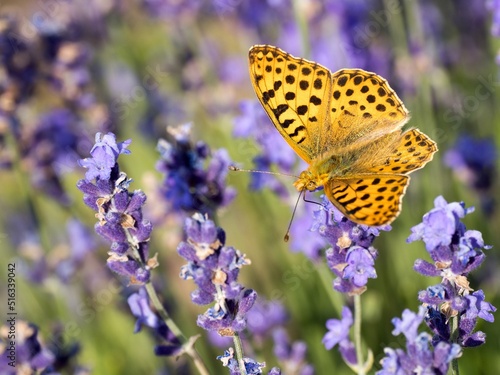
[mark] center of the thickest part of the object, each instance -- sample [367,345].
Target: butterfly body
[347,126]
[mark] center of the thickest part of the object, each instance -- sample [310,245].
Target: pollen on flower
[153,262]
[226,332]
[448,311]
[220,277]
[443,265]
[116,257]
[127,221]
[344,241]
[203,250]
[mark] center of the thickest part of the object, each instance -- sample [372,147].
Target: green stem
[454,337]
[325,275]
[300,18]
[239,353]
[357,335]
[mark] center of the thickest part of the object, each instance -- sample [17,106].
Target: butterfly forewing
[363,108]
[295,94]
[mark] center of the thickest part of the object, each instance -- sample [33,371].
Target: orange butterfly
[347,126]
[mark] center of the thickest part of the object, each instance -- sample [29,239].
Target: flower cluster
[456,252]
[215,269]
[473,162]
[292,356]
[31,354]
[51,150]
[118,210]
[267,319]
[189,185]
[351,256]
[421,354]
[28,352]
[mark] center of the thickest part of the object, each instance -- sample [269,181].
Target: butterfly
[347,126]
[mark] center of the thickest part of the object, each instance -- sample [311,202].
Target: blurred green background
[438,56]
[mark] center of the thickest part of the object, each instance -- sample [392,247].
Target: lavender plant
[121,222]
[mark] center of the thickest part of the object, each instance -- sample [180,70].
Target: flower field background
[165,83]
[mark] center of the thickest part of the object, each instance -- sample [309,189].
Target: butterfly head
[307,181]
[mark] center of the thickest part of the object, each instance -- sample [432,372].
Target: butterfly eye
[311,186]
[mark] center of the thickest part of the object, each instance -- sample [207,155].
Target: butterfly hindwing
[412,152]
[368,199]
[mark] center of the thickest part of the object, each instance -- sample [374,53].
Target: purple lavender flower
[265,316]
[214,268]
[104,153]
[251,366]
[28,354]
[139,305]
[494,7]
[254,124]
[473,162]
[81,243]
[420,355]
[291,355]
[52,150]
[189,185]
[456,252]
[303,232]
[338,330]
[18,60]
[119,211]
[351,257]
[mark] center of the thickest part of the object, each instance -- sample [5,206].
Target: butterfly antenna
[287,235]
[236,169]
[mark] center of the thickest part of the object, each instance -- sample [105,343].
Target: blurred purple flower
[338,330]
[18,61]
[81,243]
[119,211]
[139,305]
[214,268]
[264,316]
[494,7]
[29,353]
[254,124]
[190,185]
[302,231]
[52,149]
[474,162]
[171,9]
[228,360]
[291,355]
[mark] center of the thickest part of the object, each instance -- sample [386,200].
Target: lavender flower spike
[119,211]
[215,269]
